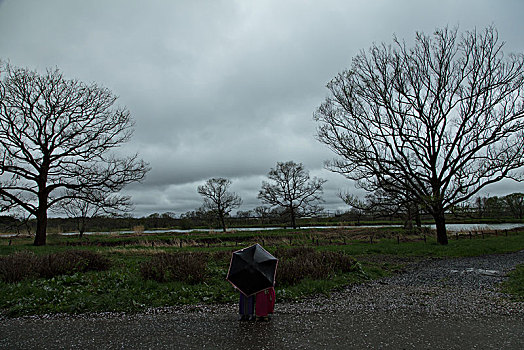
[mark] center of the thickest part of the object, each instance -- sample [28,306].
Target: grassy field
[138,271]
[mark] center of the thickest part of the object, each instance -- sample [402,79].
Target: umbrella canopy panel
[252,269]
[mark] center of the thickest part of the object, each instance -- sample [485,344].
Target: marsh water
[449,227]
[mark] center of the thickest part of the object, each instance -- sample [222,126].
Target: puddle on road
[492,273]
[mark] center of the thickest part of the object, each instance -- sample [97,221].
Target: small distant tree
[218,200]
[515,204]
[82,208]
[480,206]
[292,190]
[168,215]
[244,214]
[358,206]
[263,213]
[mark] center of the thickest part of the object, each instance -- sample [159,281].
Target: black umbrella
[252,269]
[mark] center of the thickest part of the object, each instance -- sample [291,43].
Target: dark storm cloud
[224,88]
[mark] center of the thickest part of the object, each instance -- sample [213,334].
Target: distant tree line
[482,208]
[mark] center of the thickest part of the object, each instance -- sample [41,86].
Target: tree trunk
[81,228]
[41,226]
[293,218]
[417,216]
[408,223]
[440,222]
[41,211]
[222,222]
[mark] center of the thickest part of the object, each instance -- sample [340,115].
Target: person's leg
[242,308]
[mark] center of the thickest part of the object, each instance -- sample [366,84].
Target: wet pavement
[361,330]
[438,304]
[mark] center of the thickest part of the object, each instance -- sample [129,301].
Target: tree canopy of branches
[292,190]
[55,141]
[382,203]
[441,119]
[217,198]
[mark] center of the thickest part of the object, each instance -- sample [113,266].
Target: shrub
[71,261]
[18,266]
[186,267]
[24,264]
[222,257]
[290,253]
[296,264]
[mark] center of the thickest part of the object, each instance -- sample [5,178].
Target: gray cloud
[224,88]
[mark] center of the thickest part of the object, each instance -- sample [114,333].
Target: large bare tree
[292,190]
[218,200]
[56,138]
[441,119]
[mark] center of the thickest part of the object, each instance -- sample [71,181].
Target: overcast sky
[226,88]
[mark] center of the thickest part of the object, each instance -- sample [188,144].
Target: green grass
[121,288]
[515,283]
[455,248]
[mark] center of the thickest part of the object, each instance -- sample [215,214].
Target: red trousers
[265,302]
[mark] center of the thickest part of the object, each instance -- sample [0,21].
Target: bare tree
[383,203]
[292,190]
[217,198]
[55,138]
[515,204]
[87,205]
[359,207]
[441,120]
[262,212]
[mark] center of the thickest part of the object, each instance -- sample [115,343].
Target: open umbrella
[252,269]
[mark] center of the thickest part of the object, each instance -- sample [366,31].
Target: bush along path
[449,303]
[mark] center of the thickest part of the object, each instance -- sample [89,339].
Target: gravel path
[434,304]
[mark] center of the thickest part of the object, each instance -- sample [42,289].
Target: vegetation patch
[300,263]
[515,283]
[187,267]
[27,265]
